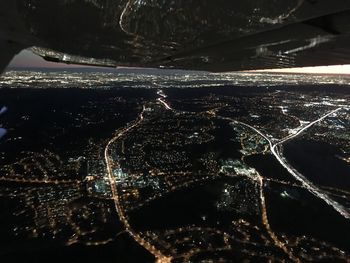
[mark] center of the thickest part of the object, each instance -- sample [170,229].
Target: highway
[37,181]
[291,136]
[166,105]
[160,99]
[117,199]
[274,148]
[298,176]
[281,244]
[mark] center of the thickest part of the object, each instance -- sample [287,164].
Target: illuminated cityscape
[150,166]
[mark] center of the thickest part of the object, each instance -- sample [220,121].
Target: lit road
[161,99]
[166,105]
[274,148]
[117,199]
[279,243]
[291,136]
[305,182]
[37,181]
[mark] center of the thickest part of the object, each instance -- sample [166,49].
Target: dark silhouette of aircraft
[208,35]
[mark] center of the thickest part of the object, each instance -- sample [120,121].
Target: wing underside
[185,34]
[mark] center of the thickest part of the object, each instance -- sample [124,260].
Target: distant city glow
[28,59]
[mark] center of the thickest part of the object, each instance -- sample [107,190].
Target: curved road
[306,183]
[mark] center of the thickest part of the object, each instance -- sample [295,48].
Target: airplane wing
[208,35]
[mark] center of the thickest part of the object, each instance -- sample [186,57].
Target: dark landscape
[184,167]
